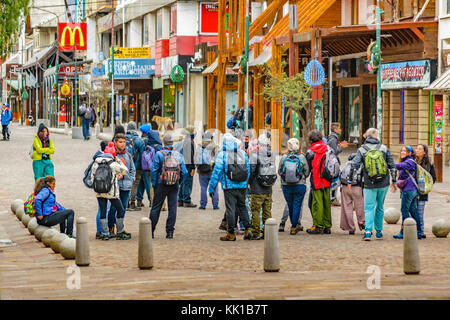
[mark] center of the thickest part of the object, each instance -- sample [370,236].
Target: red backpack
[171,172]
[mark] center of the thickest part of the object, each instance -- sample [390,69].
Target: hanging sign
[314,74]
[407,74]
[438,136]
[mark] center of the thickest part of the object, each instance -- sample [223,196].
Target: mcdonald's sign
[72,36]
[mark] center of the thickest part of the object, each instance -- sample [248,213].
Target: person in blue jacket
[150,133]
[6,118]
[162,191]
[234,192]
[48,211]
[138,148]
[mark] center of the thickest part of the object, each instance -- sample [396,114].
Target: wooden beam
[265,16]
[418,33]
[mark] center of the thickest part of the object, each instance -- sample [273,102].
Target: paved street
[195,264]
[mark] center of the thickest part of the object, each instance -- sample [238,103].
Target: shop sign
[130,52]
[13,69]
[438,115]
[69,71]
[132,68]
[72,36]
[98,70]
[407,74]
[209,15]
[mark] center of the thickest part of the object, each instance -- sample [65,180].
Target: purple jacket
[407,164]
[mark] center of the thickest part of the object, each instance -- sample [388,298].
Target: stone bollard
[48,235]
[440,228]
[145,249]
[15,204]
[19,212]
[57,240]
[411,259]
[271,249]
[392,215]
[39,231]
[68,248]
[32,225]
[25,219]
[82,243]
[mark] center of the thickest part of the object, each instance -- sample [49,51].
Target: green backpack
[375,164]
[423,180]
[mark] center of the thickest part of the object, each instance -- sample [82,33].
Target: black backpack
[237,167]
[103,177]
[87,176]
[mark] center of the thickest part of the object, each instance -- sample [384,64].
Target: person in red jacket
[321,205]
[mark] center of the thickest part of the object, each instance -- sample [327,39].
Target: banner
[130,52]
[438,136]
[407,74]
[69,71]
[72,36]
[209,15]
[132,68]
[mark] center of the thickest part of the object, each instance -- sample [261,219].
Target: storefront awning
[41,55]
[211,67]
[441,84]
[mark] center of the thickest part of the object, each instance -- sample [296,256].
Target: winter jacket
[117,166]
[45,202]
[407,165]
[213,148]
[359,160]
[39,150]
[6,117]
[152,136]
[314,156]
[158,162]
[333,142]
[221,167]
[305,170]
[255,187]
[139,145]
[126,183]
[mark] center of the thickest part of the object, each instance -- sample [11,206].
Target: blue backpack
[291,171]
[231,123]
[204,160]
[131,148]
[147,158]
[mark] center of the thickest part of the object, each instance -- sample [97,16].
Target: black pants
[235,206]
[5,131]
[161,192]
[63,217]
[116,203]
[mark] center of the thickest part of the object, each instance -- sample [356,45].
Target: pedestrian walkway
[195,264]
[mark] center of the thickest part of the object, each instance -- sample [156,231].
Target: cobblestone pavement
[195,264]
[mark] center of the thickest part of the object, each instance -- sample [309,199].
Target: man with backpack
[86,114]
[337,147]
[167,171]
[204,161]
[187,149]
[378,166]
[125,183]
[232,169]
[324,168]
[263,175]
[135,146]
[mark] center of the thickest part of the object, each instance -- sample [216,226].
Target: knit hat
[110,149]
[131,126]
[264,140]
[168,140]
[190,130]
[293,144]
[119,129]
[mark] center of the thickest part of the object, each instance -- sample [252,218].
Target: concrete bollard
[97,129]
[15,204]
[39,231]
[441,228]
[411,259]
[48,235]
[68,248]
[82,243]
[32,225]
[19,212]
[392,215]
[56,241]
[145,249]
[25,219]
[271,249]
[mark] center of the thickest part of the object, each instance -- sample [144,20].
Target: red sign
[72,36]
[69,71]
[209,17]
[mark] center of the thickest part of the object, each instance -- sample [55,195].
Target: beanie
[131,126]
[293,144]
[110,149]
[168,140]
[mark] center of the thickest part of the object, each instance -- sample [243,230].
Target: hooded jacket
[314,156]
[333,142]
[152,136]
[359,160]
[158,162]
[221,167]
[6,116]
[407,165]
[126,183]
[117,166]
[210,146]
[39,149]
[139,145]
[45,202]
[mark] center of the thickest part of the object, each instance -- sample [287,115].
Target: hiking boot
[169,235]
[248,235]
[223,226]
[327,230]
[293,231]
[228,237]
[133,207]
[180,203]
[139,204]
[299,228]
[281,227]
[112,233]
[123,236]
[315,230]
[189,205]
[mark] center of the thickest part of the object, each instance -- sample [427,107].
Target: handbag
[402,183]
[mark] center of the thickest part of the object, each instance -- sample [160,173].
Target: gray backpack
[291,170]
[345,174]
[267,171]
[329,166]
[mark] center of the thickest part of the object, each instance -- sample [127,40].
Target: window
[159,25]
[173,19]
[145,31]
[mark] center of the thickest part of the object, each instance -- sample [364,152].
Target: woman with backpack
[353,199]
[423,160]
[48,211]
[43,148]
[293,170]
[409,193]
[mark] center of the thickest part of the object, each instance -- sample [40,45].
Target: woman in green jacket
[43,149]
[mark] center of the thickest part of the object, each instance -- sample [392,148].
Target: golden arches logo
[72,33]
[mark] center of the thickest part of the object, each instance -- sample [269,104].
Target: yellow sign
[67,36]
[131,52]
[65,89]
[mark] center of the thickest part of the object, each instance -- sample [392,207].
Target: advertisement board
[72,36]
[131,52]
[406,74]
[209,15]
[132,68]
[438,115]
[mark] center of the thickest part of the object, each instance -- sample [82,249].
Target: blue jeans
[144,184]
[421,211]
[124,197]
[204,183]
[99,226]
[409,208]
[374,208]
[85,124]
[294,197]
[184,193]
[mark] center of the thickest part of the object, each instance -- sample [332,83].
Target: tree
[11,12]
[293,92]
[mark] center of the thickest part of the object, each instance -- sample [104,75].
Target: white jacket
[117,166]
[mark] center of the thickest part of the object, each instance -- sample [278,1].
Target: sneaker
[367,236]
[424,236]
[180,203]
[133,207]
[123,236]
[257,237]
[248,235]
[293,231]
[281,228]
[216,208]
[299,228]
[201,208]
[169,235]
[71,236]
[351,232]
[315,230]
[335,203]
[98,235]
[223,226]
[104,237]
[379,235]
[398,236]
[139,204]
[327,230]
